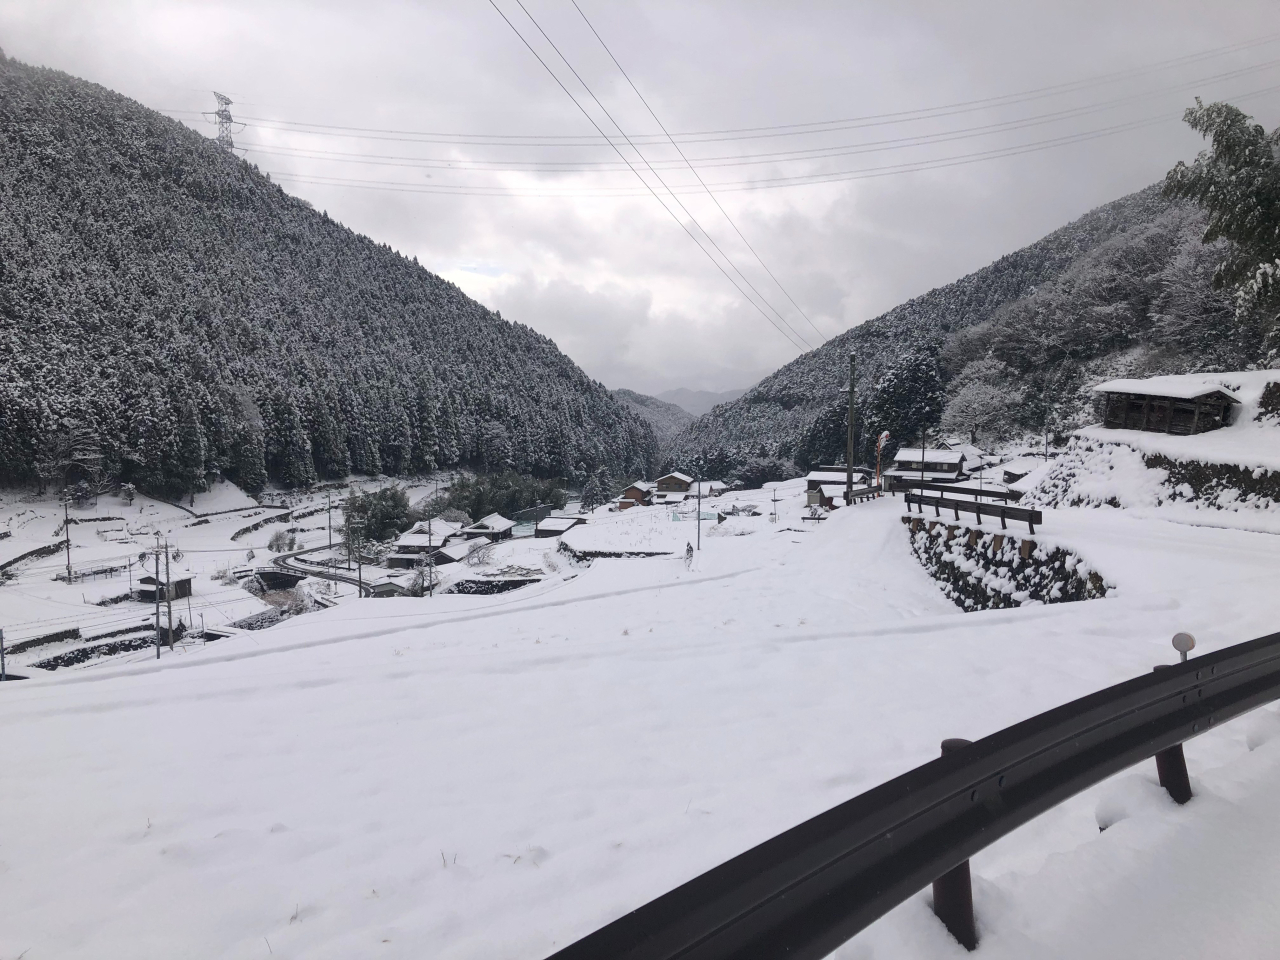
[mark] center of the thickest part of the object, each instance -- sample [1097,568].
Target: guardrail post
[953,891]
[1171,768]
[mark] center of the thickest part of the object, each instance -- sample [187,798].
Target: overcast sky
[472,158]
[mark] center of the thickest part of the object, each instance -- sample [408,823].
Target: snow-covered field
[493,777]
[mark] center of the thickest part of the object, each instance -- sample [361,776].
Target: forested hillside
[1007,351]
[163,301]
[666,419]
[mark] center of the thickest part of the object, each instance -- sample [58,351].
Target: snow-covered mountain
[698,402]
[666,419]
[1008,350]
[167,302]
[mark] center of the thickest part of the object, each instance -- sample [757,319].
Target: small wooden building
[1177,404]
[554,526]
[638,494]
[175,589]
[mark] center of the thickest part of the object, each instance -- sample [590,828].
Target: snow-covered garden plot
[469,776]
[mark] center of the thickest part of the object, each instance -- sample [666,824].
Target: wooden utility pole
[848,440]
[168,593]
[66,531]
[700,509]
[3,676]
[157,596]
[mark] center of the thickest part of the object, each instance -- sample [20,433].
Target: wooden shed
[175,589]
[1176,404]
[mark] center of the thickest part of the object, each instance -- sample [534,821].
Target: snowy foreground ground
[494,777]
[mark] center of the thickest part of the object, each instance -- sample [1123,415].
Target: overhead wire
[763,299]
[816,153]
[903,116]
[671,212]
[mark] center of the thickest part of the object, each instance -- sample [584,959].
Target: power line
[819,126]
[592,121]
[713,197]
[737,186]
[735,160]
[657,175]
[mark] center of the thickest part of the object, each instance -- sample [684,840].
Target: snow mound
[1103,469]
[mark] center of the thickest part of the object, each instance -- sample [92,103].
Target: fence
[901,483]
[808,890]
[990,510]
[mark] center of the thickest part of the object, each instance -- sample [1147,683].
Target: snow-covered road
[492,777]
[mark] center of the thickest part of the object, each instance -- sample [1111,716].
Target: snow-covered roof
[908,455]
[640,485]
[493,523]
[914,473]
[828,476]
[462,548]
[1022,465]
[1187,386]
[675,476]
[439,528]
[833,490]
[559,523]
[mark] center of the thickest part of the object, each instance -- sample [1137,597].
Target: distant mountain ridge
[1013,347]
[698,402]
[166,302]
[666,419]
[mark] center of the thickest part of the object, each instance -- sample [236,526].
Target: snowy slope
[492,777]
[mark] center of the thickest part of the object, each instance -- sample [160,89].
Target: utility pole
[3,676]
[157,585]
[848,440]
[329,499]
[168,593]
[66,530]
[359,525]
[923,433]
[700,472]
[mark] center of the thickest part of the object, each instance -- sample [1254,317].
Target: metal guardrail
[900,483]
[991,511]
[808,890]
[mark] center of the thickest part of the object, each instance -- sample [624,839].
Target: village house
[638,494]
[495,526]
[673,483]
[458,550]
[1184,404]
[422,538]
[931,465]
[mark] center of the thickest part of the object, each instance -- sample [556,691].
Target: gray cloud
[612,278]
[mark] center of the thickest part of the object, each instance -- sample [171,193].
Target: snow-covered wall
[982,570]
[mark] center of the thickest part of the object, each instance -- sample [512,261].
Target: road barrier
[808,890]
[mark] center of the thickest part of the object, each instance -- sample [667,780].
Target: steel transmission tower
[223,116]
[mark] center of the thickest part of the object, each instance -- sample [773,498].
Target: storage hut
[1176,404]
[554,526]
[175,589]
